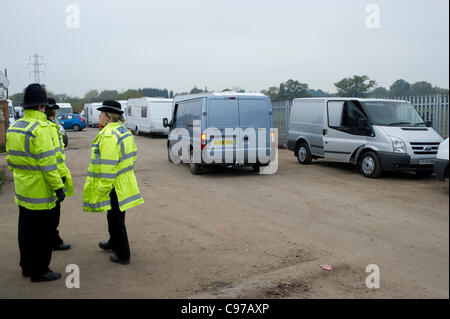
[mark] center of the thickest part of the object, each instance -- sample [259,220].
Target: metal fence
[431,108]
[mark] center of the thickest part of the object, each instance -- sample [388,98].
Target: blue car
[72,121]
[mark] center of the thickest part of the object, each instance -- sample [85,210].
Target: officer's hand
[60,194]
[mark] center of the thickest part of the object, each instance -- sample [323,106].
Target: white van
[376,135]
[91,114]
[18,112]
[145,115]
[441,163]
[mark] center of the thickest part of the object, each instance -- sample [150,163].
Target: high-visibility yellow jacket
[113,154]
[31,157]
[61,158]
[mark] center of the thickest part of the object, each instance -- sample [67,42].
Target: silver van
[376,135]
[224,112]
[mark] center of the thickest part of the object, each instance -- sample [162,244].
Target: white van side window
[335,113]
[144,112]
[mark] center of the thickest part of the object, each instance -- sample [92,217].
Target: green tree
[357,86]
[440,91]
[400,88]
[17,99]
[108,95]
[319,93]
[422,88]
[379,92]
[195,90]
[293,89]
[92,96]
[272,92]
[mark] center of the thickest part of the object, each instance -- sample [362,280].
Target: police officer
[32,159]
[50,111]
[111,184]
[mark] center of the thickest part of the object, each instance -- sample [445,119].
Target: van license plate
[223,142]
[426,161]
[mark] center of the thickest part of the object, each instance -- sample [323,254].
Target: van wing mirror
[429,123]
[363,123]
[166,122]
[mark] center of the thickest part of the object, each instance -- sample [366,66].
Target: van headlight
[398,145]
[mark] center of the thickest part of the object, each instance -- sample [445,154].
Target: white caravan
[124,104]
[64,108]
[91,114]
[145,115]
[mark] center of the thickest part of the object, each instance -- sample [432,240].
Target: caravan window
[129,111]
[144,112]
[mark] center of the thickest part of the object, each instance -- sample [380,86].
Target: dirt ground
[236,234]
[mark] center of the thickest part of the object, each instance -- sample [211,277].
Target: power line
[36,66]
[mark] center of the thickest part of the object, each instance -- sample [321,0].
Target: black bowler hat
[111,106]
[34,96]
[52,104]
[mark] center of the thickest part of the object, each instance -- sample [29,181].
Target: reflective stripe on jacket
[113,154]
[31,157]
[61,158]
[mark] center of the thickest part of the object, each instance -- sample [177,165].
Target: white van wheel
[303,154]
[370,165]
[168,154]
[136,131]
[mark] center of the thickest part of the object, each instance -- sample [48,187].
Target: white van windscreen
[223,113]
[253,113]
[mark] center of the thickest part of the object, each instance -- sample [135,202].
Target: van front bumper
[400,162]
[440,169]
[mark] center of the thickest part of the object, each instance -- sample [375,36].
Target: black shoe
[116,259]
[104,245]
[62,247]
[51,275]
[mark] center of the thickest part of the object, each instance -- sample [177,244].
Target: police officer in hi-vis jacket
[111,184]
[32,159]
[50,111]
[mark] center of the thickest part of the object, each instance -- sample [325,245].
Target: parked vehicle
[376,135]
[91,114]
[441,163]
[221,111]
[11,113]
[64,108]
[18,112]
[63,132]
[144,115]
[72,121]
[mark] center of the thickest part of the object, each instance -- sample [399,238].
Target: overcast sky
[222,44]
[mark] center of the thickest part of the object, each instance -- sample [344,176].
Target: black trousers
[56,212]
[118,239]
[35,237]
